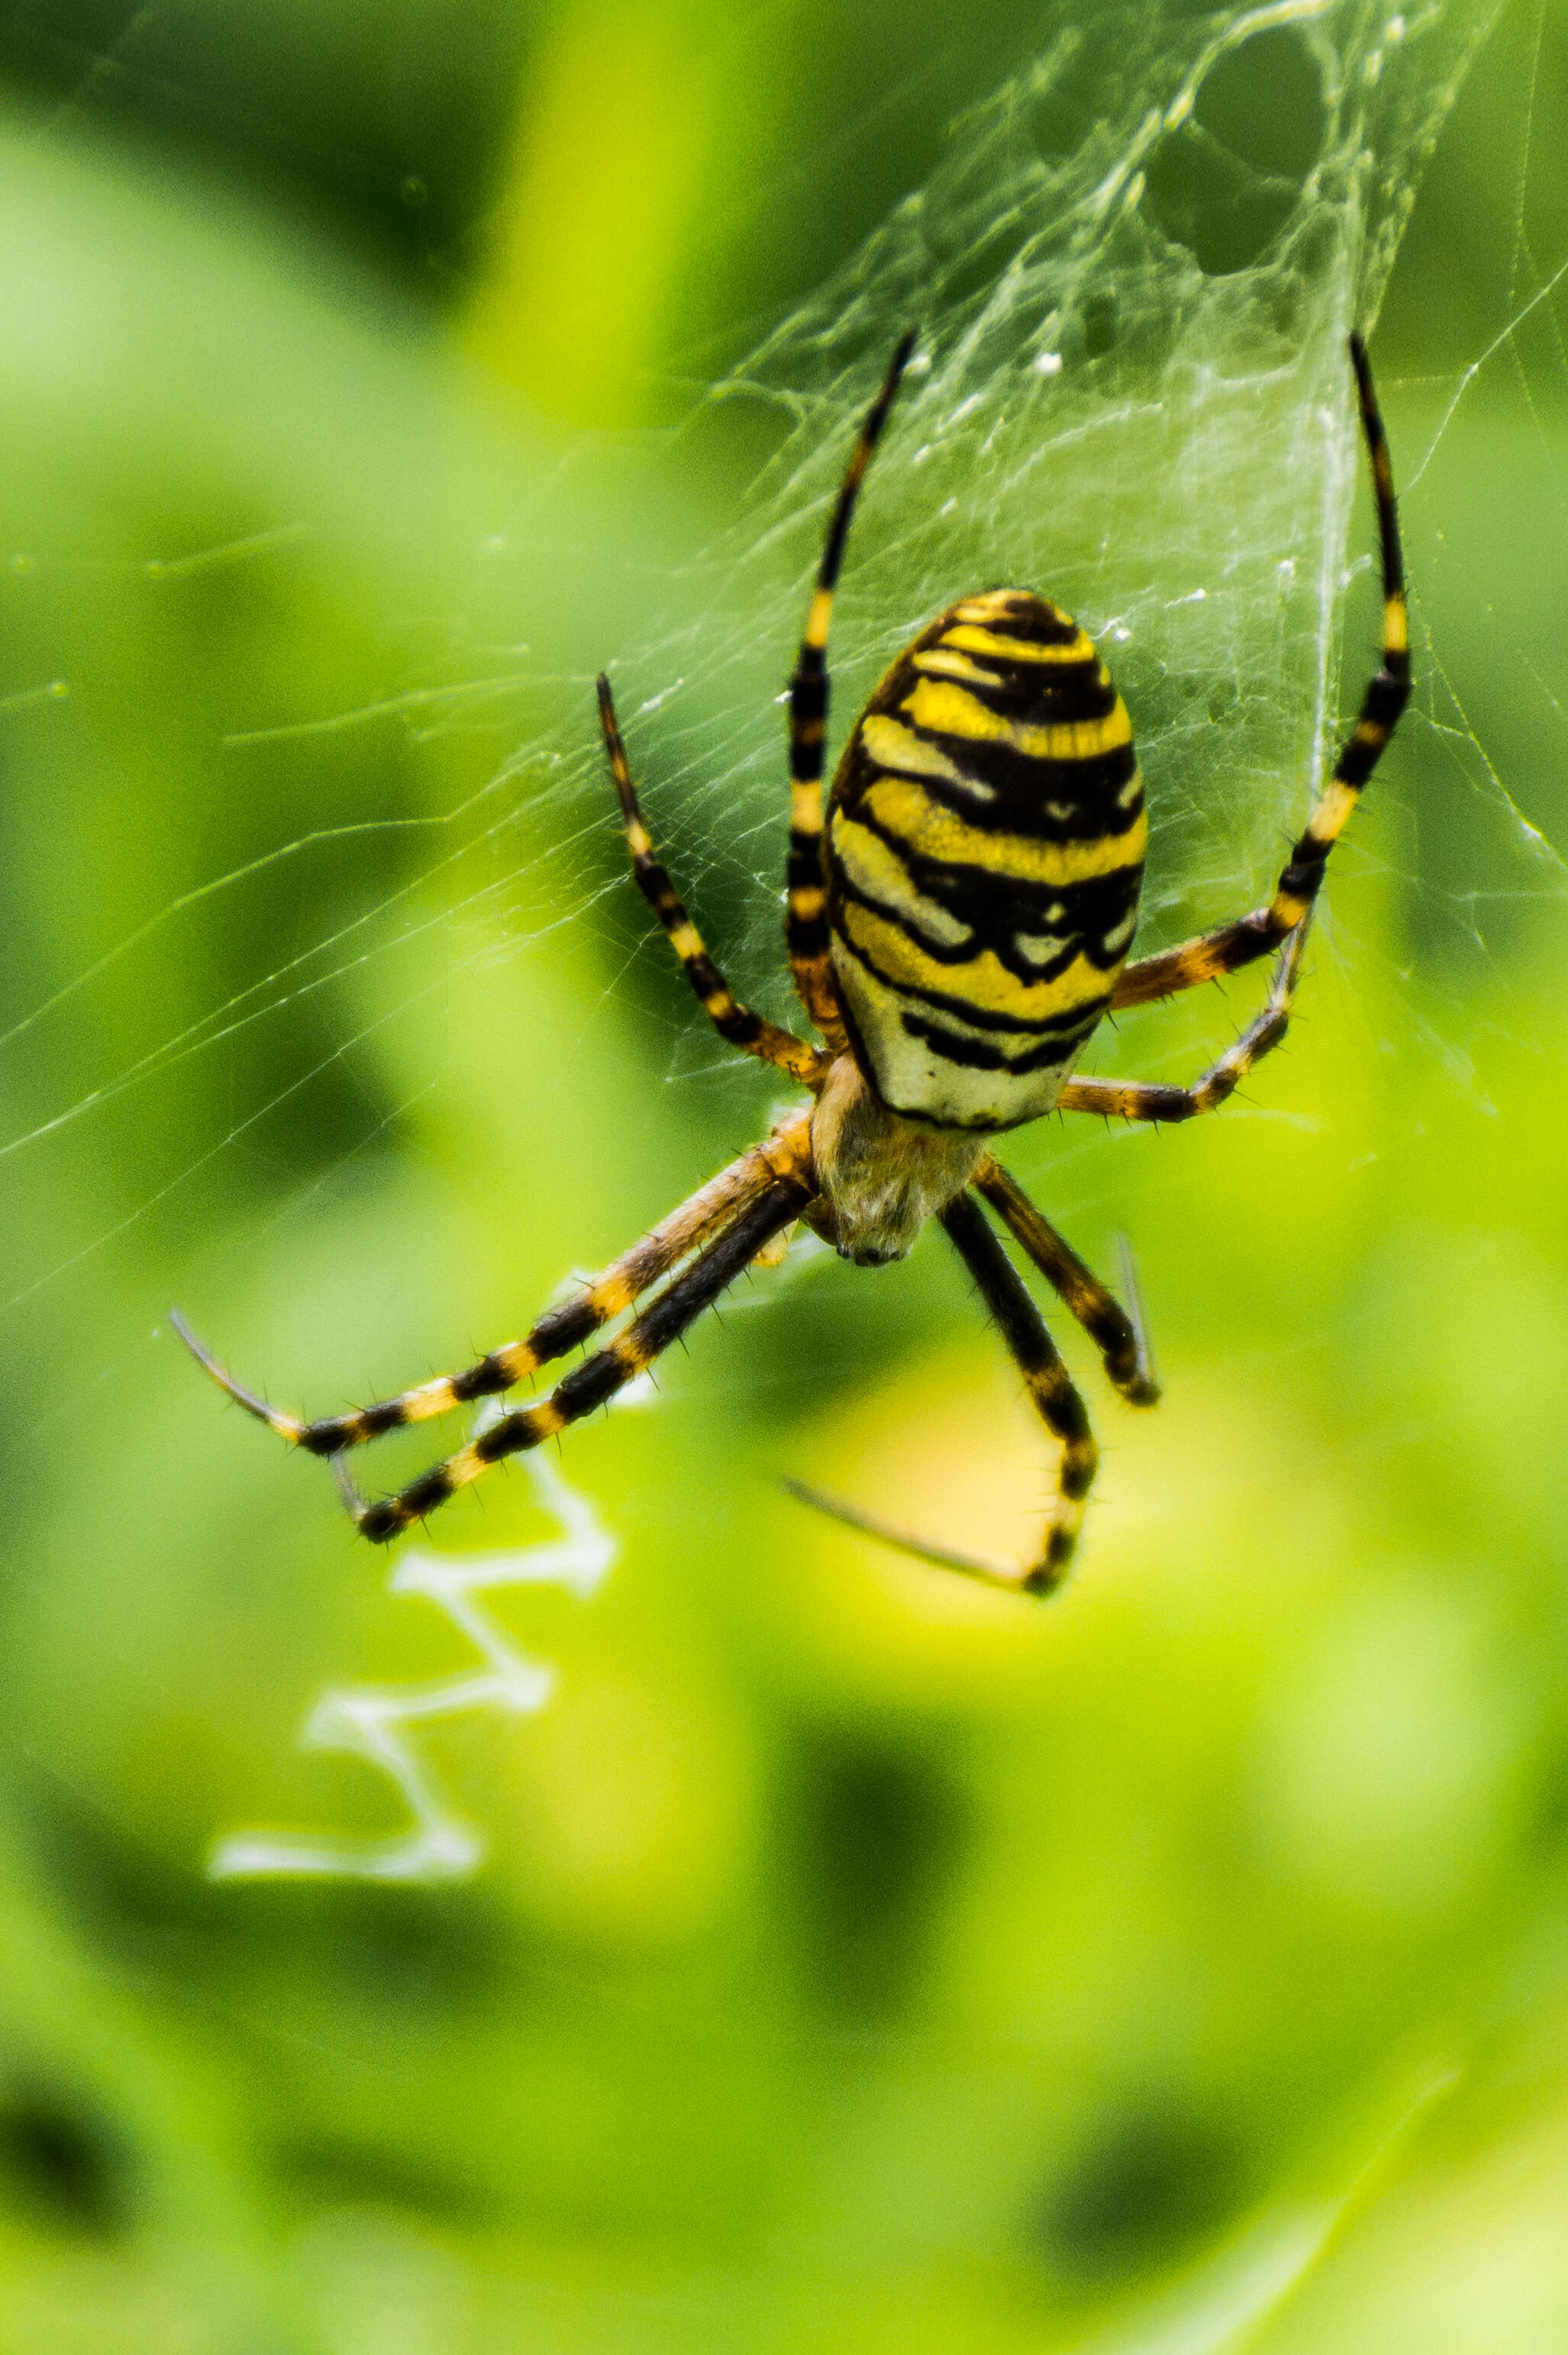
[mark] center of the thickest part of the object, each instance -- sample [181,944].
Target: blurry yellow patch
[948,1447]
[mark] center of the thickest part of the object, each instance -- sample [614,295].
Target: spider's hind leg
[597,1380]
[1121,1339]
[1051,1394]
[1209,955]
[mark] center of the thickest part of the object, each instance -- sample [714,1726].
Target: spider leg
[734,1022]
[561,1328]
[1144,1100]
[1052,1395]
[1209,955]
[596,1381]
[1132,1285]
[806,926]
[1120,1337]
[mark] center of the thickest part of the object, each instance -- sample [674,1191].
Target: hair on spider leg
[254,1403]
[354,1501]
[1133,1291]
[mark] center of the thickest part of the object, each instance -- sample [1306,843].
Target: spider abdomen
[983,857]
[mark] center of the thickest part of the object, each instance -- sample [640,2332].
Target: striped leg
[806,926]
[1141,1100]
[559,1330]
[1051,1393]
[1050,1390]
[733,1022]
[596,1381]
[1119,1338]
[1212,953]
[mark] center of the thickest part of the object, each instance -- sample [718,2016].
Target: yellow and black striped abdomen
[984,851]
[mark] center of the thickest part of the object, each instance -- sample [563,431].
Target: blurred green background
[861,1960]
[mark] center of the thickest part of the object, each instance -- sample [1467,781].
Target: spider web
[1131,390]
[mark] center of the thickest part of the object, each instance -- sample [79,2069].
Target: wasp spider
[955,932]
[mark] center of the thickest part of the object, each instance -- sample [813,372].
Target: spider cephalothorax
[880,1177]
[955,936]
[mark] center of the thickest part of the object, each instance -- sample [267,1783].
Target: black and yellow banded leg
[806,924]
[734,1023]
[1046,1379]
[1232,945]
[1146,1099]
[594,1382]
[1051,1394]
[786,1154]
[1119,1338]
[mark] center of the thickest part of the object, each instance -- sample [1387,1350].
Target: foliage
[859,1959]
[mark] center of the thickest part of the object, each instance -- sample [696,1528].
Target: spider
[955,932]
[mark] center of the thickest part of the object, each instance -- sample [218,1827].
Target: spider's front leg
[1211,954]
[559,1330]
[593,1383]
[735,1023]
